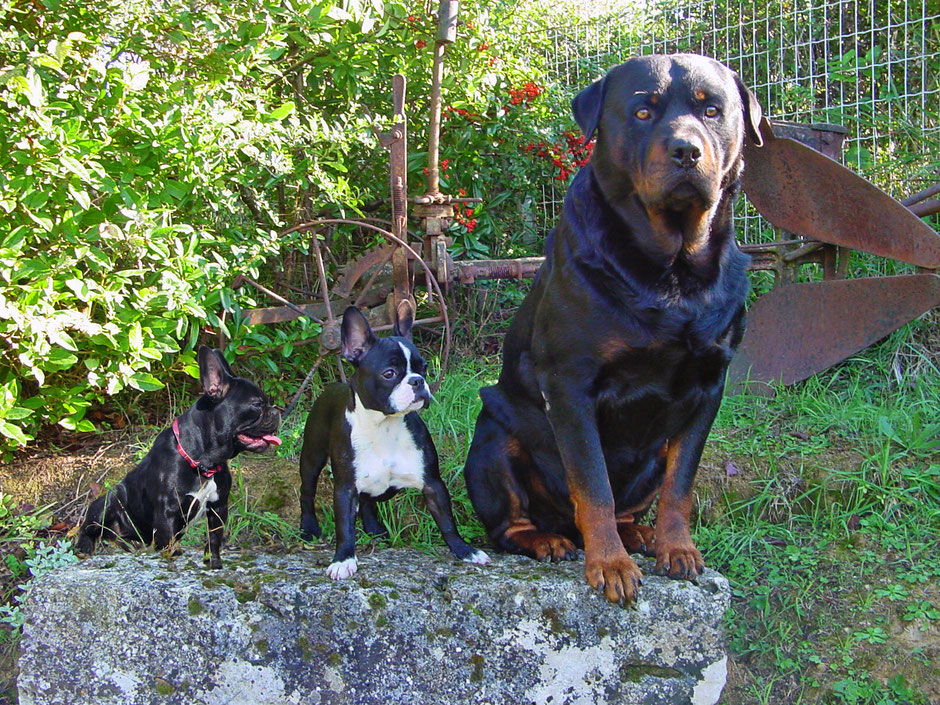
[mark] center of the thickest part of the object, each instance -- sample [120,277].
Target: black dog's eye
[643,114]
[712,111]
[389,373]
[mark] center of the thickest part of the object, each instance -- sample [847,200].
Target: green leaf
[80,196]
[75,167]
[281,112]
[34,90]
[145,382]
[14,433]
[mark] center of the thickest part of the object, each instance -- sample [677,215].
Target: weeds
[828,537]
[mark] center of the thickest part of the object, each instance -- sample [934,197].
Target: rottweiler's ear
[587,106]
[752,112]
[357,337]
[404,319]
[214,373]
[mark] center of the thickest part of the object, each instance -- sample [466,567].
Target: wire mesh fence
[872,66]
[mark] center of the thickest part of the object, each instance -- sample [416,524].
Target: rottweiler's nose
[684,153]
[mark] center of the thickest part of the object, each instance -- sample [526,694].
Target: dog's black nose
[684,153]
[416,382]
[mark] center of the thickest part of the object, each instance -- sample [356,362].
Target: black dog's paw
[309,529]
[469,554]
[215,563]
[84,545]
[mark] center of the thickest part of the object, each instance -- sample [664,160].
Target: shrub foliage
[150,152]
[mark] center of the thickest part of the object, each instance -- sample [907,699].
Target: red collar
[203,470]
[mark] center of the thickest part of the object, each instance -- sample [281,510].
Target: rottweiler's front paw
[637,538]
[616,575]
[678,560]
[543,546]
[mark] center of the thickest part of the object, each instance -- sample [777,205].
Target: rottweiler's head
[670,132]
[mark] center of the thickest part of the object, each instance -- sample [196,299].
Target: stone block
[408,628]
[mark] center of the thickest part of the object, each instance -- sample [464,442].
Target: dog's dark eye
[389,373]
[712,111]
[643,114]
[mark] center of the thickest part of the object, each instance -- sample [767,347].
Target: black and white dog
[375,441]
[185,475]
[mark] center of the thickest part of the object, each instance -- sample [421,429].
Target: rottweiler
[614,365]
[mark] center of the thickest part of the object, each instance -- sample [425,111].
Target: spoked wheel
[374,282]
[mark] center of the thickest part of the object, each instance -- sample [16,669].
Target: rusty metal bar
[297,309]
[468,271]
[922,195]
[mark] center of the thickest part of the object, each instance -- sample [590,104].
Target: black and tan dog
[185,474]
[613,368]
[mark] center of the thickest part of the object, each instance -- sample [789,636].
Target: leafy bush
[150,153]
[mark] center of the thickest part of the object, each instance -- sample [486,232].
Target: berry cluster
[567,157]
[445,165]
[529,92]
[462,112]
[465,219]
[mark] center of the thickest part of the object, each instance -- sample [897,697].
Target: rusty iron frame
[783,257]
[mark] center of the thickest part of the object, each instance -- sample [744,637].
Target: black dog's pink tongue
[259,441]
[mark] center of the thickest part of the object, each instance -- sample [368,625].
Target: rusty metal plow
[798,329]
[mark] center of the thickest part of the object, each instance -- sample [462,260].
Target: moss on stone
[477,674]
[635,673]
[163,686]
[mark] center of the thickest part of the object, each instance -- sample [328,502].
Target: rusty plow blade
[797,330]
[804,192]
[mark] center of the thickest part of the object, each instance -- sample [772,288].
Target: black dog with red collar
[185,475]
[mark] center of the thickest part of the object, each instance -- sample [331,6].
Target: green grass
[832,552]
[827,534]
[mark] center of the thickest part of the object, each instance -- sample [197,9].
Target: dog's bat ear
[752,112]
[214,373]
[404,319]
[587,106]
[357,336]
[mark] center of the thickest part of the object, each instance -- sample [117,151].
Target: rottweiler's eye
[712,111]
[643,114]
[389,373]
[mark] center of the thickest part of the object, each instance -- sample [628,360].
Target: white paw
[477,557]
[342,569]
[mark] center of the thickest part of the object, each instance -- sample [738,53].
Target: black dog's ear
[752,112]
[587,106]
[214,373]
[357,336]
[404,319]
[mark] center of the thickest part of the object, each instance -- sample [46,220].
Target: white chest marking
[207,492]
[384,453]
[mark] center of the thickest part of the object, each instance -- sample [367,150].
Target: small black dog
[376,442]
[185,474]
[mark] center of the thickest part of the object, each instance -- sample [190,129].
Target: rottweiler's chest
[653,391]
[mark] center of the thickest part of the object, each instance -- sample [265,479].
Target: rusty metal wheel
[374,282]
